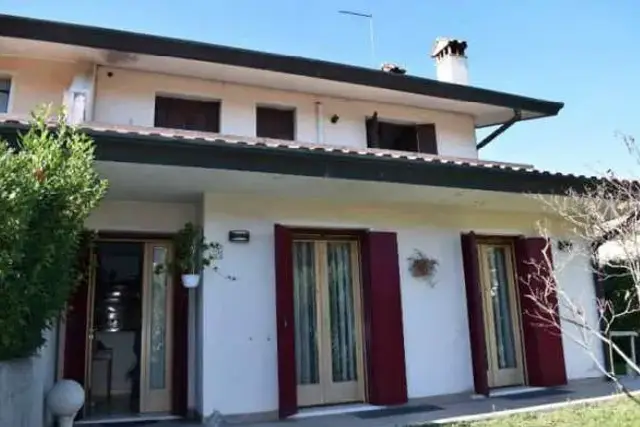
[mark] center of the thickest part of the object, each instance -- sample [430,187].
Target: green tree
[48,187]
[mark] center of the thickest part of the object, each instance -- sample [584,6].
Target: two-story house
[321,180]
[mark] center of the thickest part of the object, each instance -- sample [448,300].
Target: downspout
[517,115]
[319,123]
[94,92]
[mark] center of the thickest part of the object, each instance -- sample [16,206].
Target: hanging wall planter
[423,267]
[192,254]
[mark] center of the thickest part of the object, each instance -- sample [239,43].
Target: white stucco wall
[150,217]
[436,331]
[128,97]
[240,370]
[36,81]
[48,364]
[233,366]
[24,384]
[21,392]
[575,281]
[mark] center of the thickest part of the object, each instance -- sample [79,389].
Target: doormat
[136,423]
[394,410]
[535,394]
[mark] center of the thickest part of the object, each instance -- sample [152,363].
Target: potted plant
[193,253]
[422,267]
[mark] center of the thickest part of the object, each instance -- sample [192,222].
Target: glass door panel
[343,337]
[502,322]
[327,322]
[501,304]
[343,301]
[157,331]
[306,322]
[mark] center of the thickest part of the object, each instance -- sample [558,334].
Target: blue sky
[581,52]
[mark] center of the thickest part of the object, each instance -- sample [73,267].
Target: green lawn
[621,412]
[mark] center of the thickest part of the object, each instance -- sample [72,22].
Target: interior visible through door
[328,322]
[501,314]
[128,355]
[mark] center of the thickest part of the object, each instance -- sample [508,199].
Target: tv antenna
[368,16]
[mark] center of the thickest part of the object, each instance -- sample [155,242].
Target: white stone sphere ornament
[64,401]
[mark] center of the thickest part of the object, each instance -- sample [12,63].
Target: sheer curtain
[343,337]
[338,311]
[502,320]
[306,328]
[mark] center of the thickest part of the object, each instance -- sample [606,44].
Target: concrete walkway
[455,408]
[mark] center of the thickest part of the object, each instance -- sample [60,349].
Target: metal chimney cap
[446,46]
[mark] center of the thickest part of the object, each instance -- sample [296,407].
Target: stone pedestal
[21,393]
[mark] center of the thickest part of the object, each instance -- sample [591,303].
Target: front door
[501,314]
[328,322]
[125,333]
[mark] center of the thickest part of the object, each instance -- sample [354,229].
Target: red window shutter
[75,339]
[387,382]
[544,355]
[287,385]
[427,140]
[475,313]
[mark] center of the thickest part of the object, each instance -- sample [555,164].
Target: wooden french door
[501,314]
[328,322]
[303,373]
[125,308]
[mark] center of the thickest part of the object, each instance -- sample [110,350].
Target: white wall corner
[78,99]
[196,336]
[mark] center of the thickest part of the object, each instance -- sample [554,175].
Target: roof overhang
[325,162]
[29,37]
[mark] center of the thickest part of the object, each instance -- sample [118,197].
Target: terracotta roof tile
[207,137]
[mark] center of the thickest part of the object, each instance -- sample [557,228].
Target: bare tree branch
[603,223]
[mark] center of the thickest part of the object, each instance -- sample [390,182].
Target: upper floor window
[277,123]
[178,113]
[5,91]
[401,137]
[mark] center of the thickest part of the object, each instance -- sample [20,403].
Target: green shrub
[48,187]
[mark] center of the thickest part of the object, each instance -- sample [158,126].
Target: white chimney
[451,61]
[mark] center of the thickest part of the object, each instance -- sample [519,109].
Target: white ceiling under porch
[157,183]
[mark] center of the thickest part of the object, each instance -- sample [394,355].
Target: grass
[621,412]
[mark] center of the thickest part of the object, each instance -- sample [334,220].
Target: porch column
[207,328]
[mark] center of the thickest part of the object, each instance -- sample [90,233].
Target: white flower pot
[190,280]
